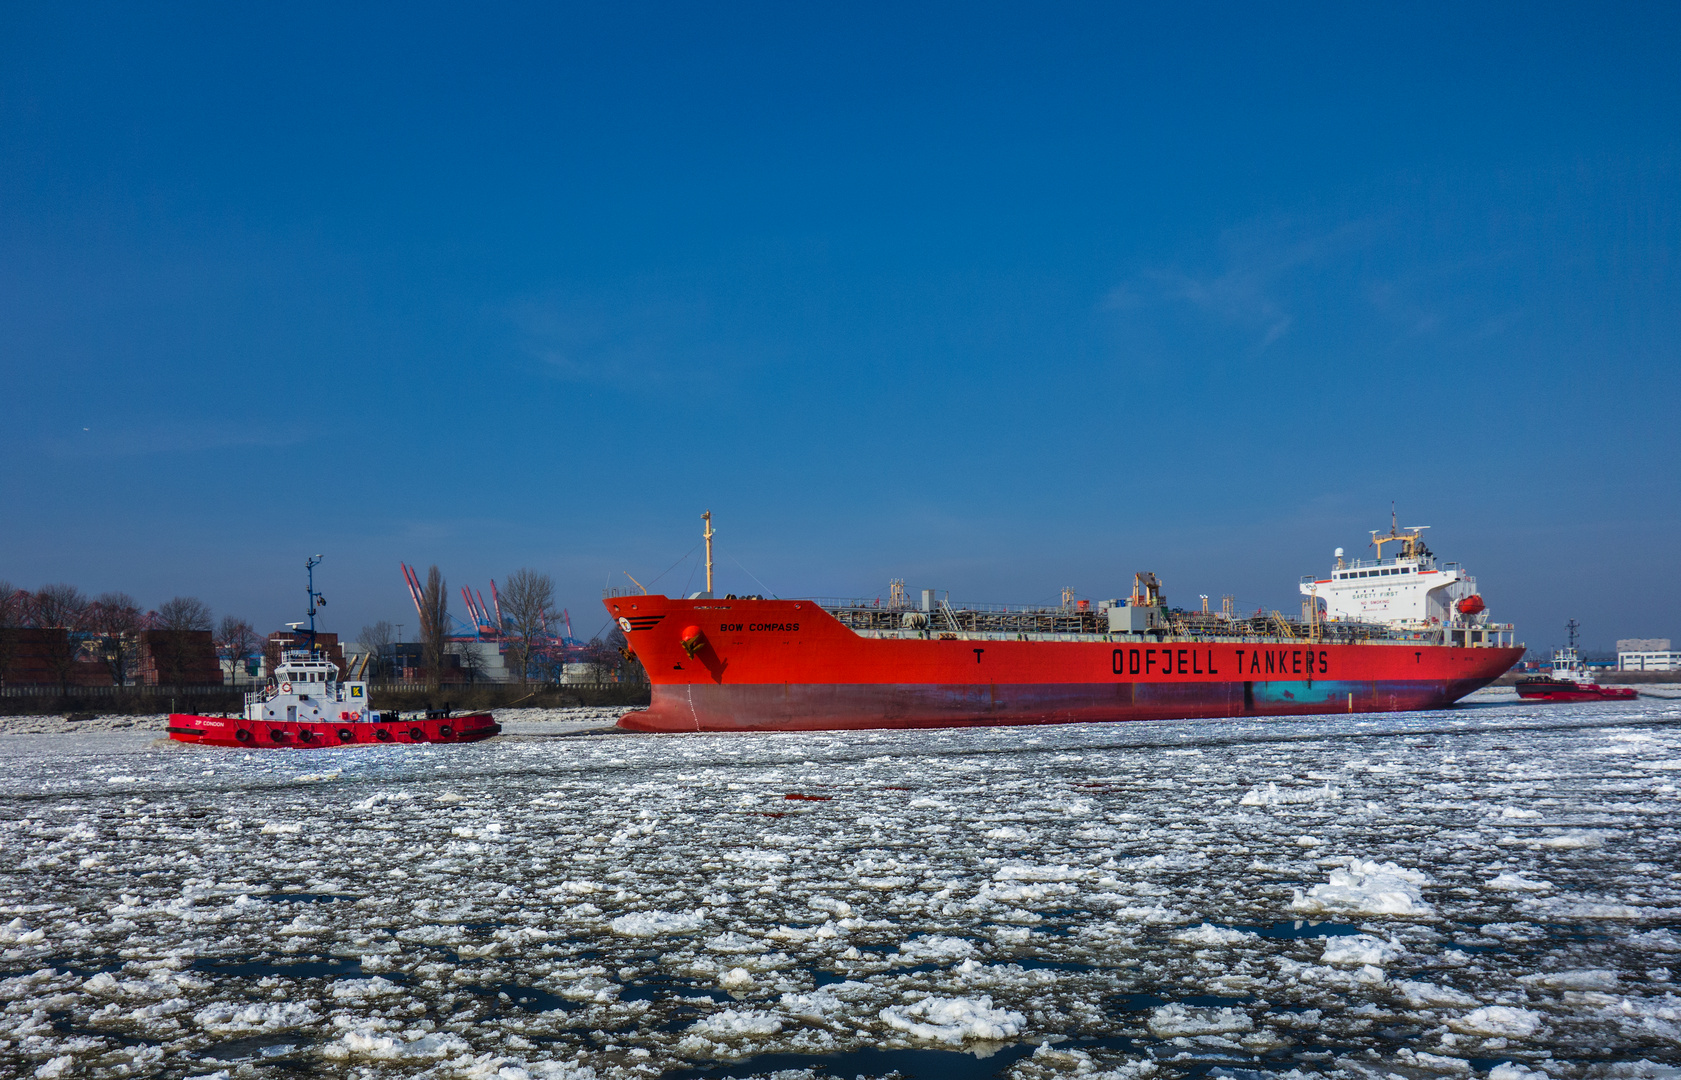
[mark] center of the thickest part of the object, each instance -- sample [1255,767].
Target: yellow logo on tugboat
[355,691]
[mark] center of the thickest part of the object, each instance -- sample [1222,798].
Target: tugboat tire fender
[243,735]
[416,734]
[346,735]
[445,730]
[383,735]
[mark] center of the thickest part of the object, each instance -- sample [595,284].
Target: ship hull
[766,665]
[245,734]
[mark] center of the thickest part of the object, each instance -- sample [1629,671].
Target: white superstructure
[306,687]
[1567,665]
[1408,589]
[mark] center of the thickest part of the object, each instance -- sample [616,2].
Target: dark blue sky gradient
[995,300]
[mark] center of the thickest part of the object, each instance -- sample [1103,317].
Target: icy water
[1486,891]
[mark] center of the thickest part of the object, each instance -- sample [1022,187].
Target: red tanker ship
[752,664]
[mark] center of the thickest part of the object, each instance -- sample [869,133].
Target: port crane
[551,649]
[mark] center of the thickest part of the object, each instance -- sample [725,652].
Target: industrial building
[1647,654]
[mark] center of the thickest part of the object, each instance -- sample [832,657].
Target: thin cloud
[631,341]
[1250,287]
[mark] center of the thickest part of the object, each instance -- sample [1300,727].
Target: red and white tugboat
[1567,680]
[307,706]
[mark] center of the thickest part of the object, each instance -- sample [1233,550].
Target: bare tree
[610,660]
[12,602]
[377,639]
[237,640]
[527,607]
[175,620]
[184,613]
[472,661]
[14,611]
[115,620]
[60,607]
[434,624]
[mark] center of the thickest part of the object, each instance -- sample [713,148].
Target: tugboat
[308,706]
[1568,681]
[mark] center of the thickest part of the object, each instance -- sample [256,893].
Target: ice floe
[954,1020]
[1207,934]
[224,1018]
[1273,795]
[655,923]
[1518,883]
[1368,887]
[1501,1020]
[1175,1020]
[1358,950]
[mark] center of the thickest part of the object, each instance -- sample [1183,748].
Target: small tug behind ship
[1567,680]
[1386,634]
[307,704]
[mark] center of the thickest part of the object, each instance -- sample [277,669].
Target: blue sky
[993,299]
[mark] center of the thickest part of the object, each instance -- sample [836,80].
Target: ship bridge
[1407,588]
[306,686]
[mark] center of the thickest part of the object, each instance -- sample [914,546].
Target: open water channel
[1491,891]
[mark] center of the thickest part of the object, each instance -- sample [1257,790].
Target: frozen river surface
[1486,891]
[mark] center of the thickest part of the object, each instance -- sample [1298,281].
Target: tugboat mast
[315,598]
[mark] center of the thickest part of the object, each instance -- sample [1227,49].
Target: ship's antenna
[707,517]
[1572,627]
